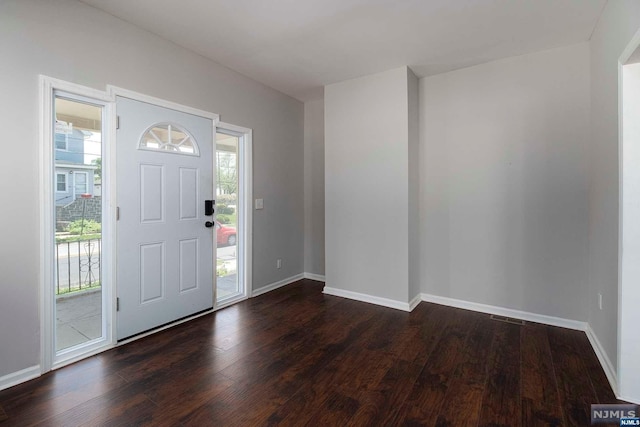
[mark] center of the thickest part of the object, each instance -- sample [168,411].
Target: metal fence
[78,265]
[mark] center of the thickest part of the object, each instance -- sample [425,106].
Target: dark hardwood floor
[295,356]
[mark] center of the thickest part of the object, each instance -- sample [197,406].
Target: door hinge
[118,213]
[118,304]
[117,122]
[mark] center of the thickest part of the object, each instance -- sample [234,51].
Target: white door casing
[165,254]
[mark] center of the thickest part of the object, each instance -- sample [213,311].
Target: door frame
[624,381]
[48,86]
[245,221]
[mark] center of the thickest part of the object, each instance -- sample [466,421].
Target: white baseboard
[313,276]
[385,302]
[606,364]
[507,312]
[414,302]
[634,400]
[604,360]
[22,376]
[276,285]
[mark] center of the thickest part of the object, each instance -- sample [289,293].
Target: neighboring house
[73,177]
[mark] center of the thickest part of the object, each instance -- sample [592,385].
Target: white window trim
[48,86]
[245,182]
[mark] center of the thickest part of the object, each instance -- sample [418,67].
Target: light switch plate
[259,203]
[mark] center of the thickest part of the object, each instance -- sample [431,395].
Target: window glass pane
[61,182]
[61,141]
[168,138]
[78,222]
[228,285]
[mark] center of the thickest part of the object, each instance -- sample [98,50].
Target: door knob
[209,224]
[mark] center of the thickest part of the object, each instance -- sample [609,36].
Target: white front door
[165,252]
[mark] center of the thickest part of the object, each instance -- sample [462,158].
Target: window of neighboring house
[81,183]
[61,141]
[61,182]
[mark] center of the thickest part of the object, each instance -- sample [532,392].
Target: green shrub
[223,219]
[89,227]
[226,199]
[225,210]
[221,270]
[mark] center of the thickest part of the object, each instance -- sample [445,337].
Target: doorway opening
[629,238]
[233,200]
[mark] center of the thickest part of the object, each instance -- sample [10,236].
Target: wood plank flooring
[295,356]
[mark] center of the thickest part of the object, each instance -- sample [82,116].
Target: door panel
[188,193]
[151,193]
[151,272]
[164,251]
[188,264]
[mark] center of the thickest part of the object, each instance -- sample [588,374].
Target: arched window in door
[169,138]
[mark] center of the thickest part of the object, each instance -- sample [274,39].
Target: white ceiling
[298,46]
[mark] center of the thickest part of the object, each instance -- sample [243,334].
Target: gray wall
[619,22]
[504,184]
[314,187]
[366,185]
[98,50]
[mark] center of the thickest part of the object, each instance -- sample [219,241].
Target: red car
[226,235]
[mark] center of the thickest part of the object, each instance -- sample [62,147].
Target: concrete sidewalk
[78,318]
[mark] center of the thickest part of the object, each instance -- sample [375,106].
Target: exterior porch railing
[78,265]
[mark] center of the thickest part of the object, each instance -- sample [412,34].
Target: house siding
[75,147]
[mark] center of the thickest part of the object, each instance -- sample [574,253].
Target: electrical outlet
[278,263]
[600,301]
